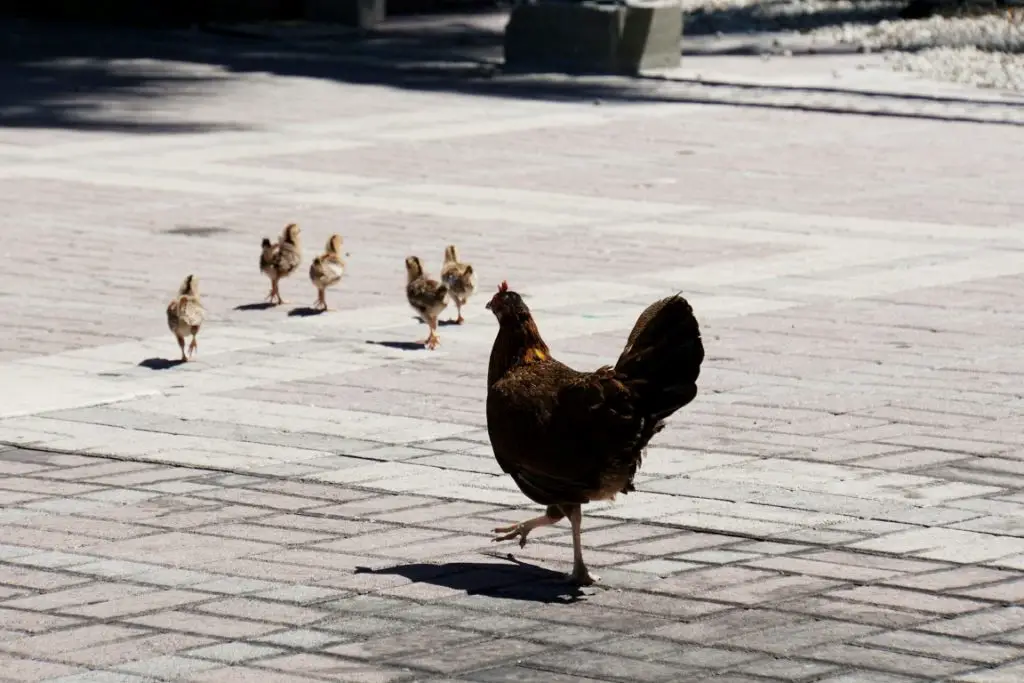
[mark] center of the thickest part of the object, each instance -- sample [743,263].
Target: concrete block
[594,37]
[358,13]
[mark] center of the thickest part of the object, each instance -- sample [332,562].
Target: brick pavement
[842,503]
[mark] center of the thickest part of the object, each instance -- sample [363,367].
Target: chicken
[426,296]
[185,315]
[326,270]
[281,259]
[568,437]
[459,278]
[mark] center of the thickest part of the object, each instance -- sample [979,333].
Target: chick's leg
[551,516]
[194,345]
[181,345]
[579,570]
[458,309]
[433,339]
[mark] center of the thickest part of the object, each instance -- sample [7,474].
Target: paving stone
[941,646]
[785,669]
[607,667]
[336,669]
[981,623]
[19,669]
[169,667]
[886,661]
[262,610]
[203,624]
[908,599]
[234,653]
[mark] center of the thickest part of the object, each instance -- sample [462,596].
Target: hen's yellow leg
[579,570]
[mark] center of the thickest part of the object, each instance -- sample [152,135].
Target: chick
[459,278]
[426,296]
[185,315]
[280,260]
[327,270]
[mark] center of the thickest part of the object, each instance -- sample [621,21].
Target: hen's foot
[432,342]
[460,320]
[192,348]
[522,529]
[582,577]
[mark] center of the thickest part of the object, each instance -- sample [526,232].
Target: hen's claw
[523,529]
[510,532]
[583,577]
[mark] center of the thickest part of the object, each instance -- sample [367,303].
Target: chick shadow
[161,363]
[440,323]
[514,581]
[398,345]
[304,312]
[261,306]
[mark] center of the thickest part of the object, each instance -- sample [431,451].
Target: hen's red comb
[503,287]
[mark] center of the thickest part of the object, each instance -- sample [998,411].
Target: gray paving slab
[841,503]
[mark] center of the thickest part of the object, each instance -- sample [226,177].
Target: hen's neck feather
[518,343]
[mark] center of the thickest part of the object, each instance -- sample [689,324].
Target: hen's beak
[488,306]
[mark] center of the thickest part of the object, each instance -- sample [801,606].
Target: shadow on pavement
[304,312]
[515,581]
[107,78]
[261,306]
[399,345]
[161,363]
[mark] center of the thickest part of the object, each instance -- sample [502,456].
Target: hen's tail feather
[661,361]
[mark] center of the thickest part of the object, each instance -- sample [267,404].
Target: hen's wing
[565,436]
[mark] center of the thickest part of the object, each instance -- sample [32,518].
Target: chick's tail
[662,358]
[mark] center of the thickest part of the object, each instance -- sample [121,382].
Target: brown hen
[568,437]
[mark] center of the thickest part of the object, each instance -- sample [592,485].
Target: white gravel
[985,51]
[964,65]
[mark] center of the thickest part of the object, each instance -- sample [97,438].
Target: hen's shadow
[399,345]
[261,306]
[161,363]
[447,323]
[514,581]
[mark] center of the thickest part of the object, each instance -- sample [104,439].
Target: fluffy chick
[326,270]
[281,259]
[459,278]
[426,296]
[185,315]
